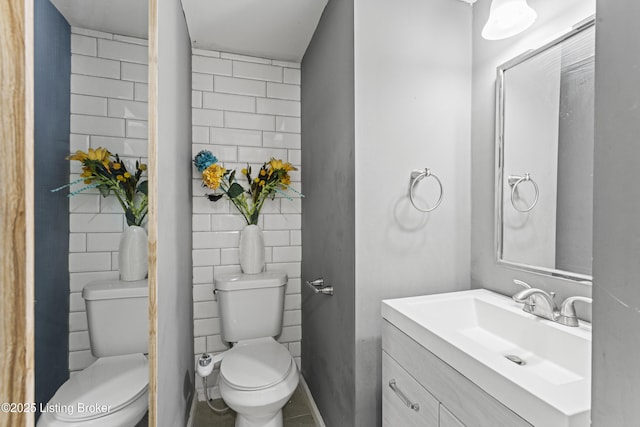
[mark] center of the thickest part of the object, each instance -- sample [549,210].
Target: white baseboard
[192,411]
[315,413]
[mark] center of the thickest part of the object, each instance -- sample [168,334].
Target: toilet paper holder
[319,287]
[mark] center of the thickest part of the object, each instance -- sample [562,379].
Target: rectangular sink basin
[539,369]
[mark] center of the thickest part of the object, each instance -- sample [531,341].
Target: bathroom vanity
[419,376]
[474,358]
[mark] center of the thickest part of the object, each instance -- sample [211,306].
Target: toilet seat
[113,382]
[256,364]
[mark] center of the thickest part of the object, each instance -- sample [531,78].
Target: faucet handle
[529,303]
[521,283]
[568,315]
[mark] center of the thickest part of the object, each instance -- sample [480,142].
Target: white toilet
[257,375]
[112,391]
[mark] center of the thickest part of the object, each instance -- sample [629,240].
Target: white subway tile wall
[108,109]
[245,110]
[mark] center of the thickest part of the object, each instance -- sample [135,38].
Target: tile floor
[296,413]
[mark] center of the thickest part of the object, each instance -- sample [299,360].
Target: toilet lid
[256,364]
[106,386]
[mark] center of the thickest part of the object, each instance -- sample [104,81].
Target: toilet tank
[118,317]
[251,305]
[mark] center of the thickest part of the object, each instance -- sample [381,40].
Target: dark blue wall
[52,99]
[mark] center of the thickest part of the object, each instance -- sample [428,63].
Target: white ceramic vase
[251,250]
[132,254]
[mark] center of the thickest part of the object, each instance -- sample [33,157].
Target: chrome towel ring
[417,176]
[514,181]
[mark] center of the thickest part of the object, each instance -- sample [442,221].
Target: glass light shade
[508,18]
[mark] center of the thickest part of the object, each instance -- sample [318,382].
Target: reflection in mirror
[90,91]
[545,157]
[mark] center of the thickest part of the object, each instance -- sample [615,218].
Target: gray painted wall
[175,300]
[328,214]
[52,79]
[409,107]
[412,110]
[616,251]
[553,17]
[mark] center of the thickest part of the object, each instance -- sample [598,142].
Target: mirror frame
[499,152]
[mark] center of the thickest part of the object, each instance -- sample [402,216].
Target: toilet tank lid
[115,289]
[235,282]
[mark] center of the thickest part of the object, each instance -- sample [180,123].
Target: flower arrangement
[108,173]
[273,177]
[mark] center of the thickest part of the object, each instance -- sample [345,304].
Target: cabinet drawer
[399,391]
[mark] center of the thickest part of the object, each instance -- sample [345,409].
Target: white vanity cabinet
[447,419]
[419,389]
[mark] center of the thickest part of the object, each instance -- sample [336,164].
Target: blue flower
[204,159]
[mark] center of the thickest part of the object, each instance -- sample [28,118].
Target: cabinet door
[405,403]
[447,419]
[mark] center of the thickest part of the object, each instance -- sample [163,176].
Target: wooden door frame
[152,222]
[16,211]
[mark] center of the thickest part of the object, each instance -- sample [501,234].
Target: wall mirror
[544,157]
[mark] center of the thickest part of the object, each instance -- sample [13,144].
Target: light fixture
[508,18]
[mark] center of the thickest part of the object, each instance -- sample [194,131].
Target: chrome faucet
[541,303]
[567,314]
[536,301]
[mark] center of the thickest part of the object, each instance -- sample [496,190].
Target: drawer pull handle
[402,396]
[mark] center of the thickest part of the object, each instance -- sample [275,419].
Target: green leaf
[143,188]
[215,197]
[235,190]
[104,190]
[232,176]
[254,217]
[131,219]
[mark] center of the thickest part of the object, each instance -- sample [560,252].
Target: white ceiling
[274,29]
[124,17]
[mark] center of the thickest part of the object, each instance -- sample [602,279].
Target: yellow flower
[275,163]
[244,171]
[256,179]
[262,172]
[86,172]
[99,154]
[79,155]
[261,184]
[142,167]
[116,166]
[127,175]
[279,164]
[212,176]
[120,178]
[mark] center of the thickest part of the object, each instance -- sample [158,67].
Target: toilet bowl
[257,375]
[257,378]
[111,392]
